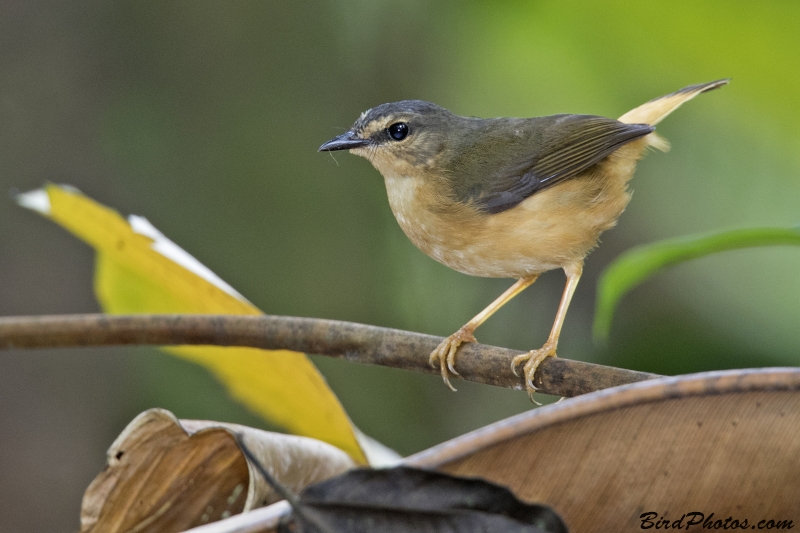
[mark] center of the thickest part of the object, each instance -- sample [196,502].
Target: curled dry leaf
[165,474]
[715,444]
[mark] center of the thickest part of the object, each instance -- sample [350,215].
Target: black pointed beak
[345,141]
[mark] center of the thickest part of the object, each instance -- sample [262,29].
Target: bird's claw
[532,399]
[444,356]
[530,363]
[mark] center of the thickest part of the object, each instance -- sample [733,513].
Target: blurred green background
[205,118]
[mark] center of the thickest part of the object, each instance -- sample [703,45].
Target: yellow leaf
[141,271]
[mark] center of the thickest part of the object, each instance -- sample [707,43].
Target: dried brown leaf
[165,474]
[722,443]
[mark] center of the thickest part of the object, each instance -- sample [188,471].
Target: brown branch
[354,342]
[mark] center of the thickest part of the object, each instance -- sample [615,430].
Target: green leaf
[637,264]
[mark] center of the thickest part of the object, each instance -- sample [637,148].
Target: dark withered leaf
[411,500]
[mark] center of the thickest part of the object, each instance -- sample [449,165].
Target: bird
[507,197]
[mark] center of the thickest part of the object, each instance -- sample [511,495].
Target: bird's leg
[533,358]
[445,354]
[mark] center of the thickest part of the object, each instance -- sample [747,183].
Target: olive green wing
[559,147]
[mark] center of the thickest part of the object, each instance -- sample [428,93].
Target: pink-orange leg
[445,354]
[534,358]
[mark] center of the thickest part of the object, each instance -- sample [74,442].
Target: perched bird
[507,197]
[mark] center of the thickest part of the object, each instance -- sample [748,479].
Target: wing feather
[559,147]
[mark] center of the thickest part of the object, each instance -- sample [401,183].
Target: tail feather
[658,142]
[657,109]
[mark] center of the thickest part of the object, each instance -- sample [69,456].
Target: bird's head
[401,138]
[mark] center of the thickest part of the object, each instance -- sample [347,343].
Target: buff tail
[656,110]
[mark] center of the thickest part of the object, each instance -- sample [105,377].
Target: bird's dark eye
[398,131]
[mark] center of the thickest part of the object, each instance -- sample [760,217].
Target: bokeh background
[205,118]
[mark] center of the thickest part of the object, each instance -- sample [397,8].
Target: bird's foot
[531,361]
[444,356]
